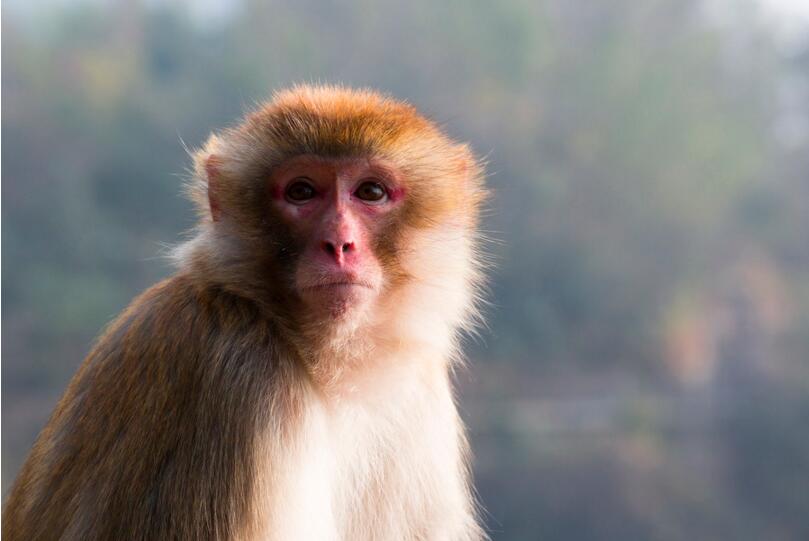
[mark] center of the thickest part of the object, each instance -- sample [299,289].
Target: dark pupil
[371,191]
[300,191]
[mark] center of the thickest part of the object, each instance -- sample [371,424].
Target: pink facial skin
[335,205]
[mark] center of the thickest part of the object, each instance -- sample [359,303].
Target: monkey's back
[153,437]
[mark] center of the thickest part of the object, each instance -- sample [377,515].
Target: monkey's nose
[337,250]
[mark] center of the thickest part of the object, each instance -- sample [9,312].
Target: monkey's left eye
[300,191]
[371,191]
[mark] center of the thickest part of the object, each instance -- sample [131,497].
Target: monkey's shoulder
[168,395]
[179,308]
[179,326]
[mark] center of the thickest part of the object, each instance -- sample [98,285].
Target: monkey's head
[333,205]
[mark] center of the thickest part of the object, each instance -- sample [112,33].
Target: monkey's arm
[153,437]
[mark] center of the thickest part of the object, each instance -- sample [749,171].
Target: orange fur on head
[340,122]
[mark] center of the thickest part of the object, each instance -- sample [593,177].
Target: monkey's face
[335,205]
[337,211]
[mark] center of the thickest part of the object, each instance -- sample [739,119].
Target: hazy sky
[791,10]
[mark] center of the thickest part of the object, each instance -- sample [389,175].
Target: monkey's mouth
[340,285]
[340,291]
[338,298]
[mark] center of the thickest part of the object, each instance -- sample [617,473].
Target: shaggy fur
[212,408]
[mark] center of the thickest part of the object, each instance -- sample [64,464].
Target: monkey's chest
[371,474]
[396,473]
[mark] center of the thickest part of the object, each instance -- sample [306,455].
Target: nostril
[337,250]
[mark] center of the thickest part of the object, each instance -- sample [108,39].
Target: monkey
[292,380]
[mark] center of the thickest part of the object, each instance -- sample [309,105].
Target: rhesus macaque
[292,380]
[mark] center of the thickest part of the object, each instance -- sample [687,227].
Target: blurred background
[646,370]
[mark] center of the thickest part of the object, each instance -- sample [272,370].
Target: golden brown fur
[216,407]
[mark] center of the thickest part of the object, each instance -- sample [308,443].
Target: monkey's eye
[371,191]
[300,191]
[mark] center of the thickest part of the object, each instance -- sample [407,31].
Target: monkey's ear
[212,166]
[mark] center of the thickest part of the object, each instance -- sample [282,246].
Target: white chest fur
[387,468]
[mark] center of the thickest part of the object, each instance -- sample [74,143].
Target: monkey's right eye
[300,191]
